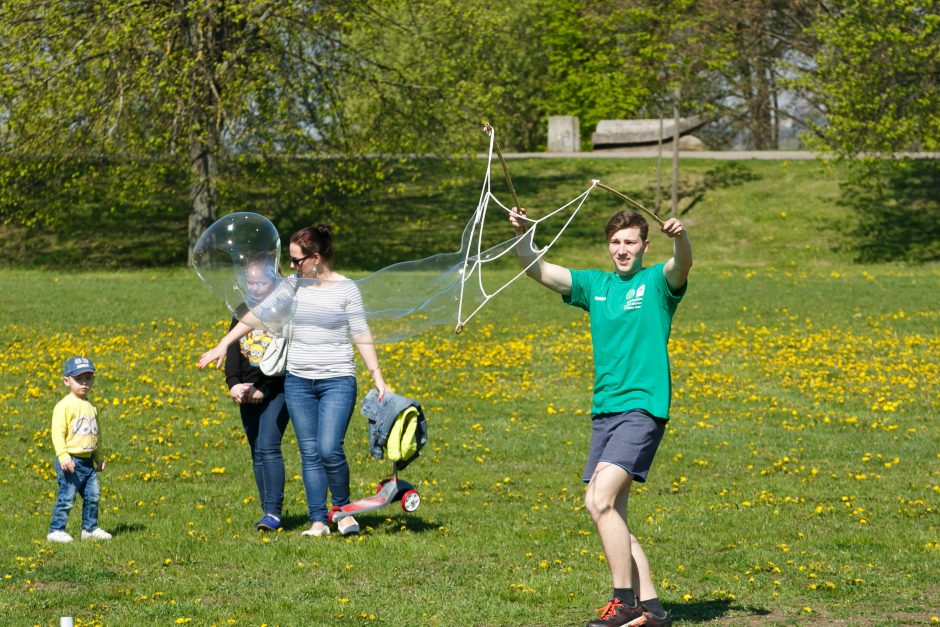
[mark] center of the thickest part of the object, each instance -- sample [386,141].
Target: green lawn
[799,481]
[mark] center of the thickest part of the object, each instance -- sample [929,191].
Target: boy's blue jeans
[320,410]
[83,481]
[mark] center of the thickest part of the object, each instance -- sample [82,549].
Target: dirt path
[766,155]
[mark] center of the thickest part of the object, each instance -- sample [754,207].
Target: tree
[765,38]
[684,47]
[588,55]
[430,72]
[877,82]
[877,76]
[191,79]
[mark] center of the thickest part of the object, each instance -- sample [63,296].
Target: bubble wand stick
[488,129]
[628,199]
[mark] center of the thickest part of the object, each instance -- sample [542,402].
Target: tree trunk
[204,140]
[760,105]
[659,165]
[775,104]
[674,205]
[203,168]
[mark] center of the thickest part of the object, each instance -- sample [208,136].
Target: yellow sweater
[75,429]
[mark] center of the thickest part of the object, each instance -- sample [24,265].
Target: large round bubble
[237,257]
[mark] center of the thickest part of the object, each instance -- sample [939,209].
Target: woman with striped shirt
[320,385]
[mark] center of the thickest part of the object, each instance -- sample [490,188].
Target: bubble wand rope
[488,129]
[630,200]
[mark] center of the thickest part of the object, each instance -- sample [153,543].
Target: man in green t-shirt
[631,313]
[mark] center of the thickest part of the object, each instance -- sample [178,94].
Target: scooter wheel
[410,500]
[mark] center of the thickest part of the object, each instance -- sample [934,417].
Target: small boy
[78,459]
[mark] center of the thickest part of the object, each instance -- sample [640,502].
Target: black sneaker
[616,614]
[653,621]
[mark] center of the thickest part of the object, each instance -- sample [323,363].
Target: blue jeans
[83,481]
[320,411]
[265,424]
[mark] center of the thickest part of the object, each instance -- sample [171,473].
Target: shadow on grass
[94,213]
[724,175]
[295,521]
[391,522]
[706,611]
[396,521]
[897,209]
[107,213]
[126,529]
[75,574]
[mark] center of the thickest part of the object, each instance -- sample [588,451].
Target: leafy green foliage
[432,72]
[200,82]
[589,62]
[877,81]
[878,76]
[145,80]
[201,86]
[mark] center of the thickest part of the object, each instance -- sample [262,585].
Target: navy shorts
[628,439]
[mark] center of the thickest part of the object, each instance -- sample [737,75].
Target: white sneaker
[348,525]
[317,529]
[97,534]
[59,536]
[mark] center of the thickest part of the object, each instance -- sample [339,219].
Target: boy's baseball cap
[77,365]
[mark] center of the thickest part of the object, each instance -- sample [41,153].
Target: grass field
[799,481]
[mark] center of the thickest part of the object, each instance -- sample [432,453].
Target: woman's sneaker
[96,534]
[58,536]
[317,529]
[616,614]
[268,523]
[347,526]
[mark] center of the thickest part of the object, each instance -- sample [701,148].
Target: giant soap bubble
[237,257]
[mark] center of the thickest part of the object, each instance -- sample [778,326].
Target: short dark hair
[315,239]
[626,219]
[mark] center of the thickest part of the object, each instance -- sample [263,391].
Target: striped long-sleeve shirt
[327,313]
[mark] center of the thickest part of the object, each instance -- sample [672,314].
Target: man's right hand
[518,225]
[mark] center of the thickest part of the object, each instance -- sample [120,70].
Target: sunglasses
[297,262]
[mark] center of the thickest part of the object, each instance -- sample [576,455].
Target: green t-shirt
[630,323]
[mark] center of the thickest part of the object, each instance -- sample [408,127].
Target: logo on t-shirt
[254,344]
[634,298]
